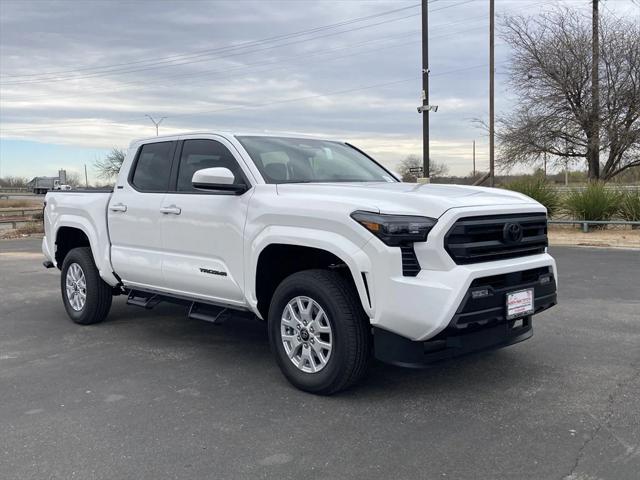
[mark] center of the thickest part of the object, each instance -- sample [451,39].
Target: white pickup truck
[342,260]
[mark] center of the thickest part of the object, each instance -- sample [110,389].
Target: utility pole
[474,159]
[86,177]
[594,161]
[157,124]
[491,93]
[425,90]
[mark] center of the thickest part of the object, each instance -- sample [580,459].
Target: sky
[78,78]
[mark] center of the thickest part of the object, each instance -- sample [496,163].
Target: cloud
[88,72]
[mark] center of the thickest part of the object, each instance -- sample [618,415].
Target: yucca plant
[630,206]
[595,202]
[540,190]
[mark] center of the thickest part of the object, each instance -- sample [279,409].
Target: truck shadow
[240,346]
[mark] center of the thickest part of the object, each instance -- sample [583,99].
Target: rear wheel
[87,298]
[319,332]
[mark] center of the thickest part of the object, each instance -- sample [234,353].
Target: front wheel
[319,332]
[87,298]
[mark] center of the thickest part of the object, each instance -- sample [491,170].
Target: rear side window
[199,154]
[153,168]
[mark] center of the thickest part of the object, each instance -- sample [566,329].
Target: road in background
[150,394]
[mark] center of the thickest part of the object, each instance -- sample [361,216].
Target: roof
[228,134]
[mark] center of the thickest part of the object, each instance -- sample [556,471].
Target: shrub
[630,206]
[540,190]
[595,202]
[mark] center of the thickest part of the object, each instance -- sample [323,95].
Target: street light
[157,124]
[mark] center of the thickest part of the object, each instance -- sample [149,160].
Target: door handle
[118,207]
[171,209]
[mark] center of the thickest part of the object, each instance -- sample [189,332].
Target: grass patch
[540,190]
[630,206]
[593,203]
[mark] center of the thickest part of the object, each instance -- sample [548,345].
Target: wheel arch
[72,233]
[67,238]
[274,257]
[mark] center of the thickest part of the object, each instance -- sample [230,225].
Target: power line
[200,60]
[277,102]
[209,51]
[269,47]
[251,67]
[232,53]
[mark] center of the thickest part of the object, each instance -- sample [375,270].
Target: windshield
[296,160]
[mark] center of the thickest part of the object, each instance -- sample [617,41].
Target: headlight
[395,230]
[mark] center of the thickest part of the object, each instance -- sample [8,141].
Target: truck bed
[85,190]
[82,209]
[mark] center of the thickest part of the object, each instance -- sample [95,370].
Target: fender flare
[100,253]
[351,254]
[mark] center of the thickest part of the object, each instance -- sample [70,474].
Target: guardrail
[579,188]
[18,194]
[14,189]
[19,212]
[16,221]
[18,216]
[585,223]
[13,223]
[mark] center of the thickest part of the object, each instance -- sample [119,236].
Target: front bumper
[397,350]
[480,322]
[420,307]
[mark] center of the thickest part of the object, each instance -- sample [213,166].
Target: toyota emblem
[512,233]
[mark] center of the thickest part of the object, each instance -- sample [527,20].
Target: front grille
[410,264]
[482,239]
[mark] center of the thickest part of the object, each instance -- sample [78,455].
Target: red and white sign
[520,303]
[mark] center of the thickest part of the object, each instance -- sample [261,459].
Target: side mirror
[217,178]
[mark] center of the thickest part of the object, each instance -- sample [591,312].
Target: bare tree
[551,74]
[110,166]
[14,182]
[413,161]
[73,179]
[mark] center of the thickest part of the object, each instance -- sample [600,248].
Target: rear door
[202,231]
[134,215]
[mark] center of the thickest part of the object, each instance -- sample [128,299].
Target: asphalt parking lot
[150,394]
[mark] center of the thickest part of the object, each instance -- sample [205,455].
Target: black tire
[98,293]
[351,351]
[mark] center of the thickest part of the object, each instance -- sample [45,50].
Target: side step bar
[216,314]
[143,299]
[208,313]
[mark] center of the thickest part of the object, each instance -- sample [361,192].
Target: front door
[203,231]
[134,216]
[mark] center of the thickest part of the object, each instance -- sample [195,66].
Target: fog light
[545,279]
[480,293]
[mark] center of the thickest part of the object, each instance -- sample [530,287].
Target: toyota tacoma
[343,261]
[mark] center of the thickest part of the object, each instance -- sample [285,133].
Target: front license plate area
[520,303]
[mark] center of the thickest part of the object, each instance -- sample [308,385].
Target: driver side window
[199,154]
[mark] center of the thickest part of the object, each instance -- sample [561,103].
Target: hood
[431,200]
